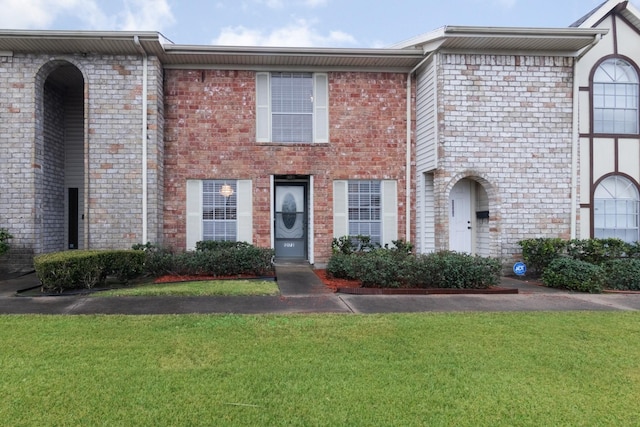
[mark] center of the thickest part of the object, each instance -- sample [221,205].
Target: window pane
[615,98]
[365,209]
[292,127]
[219,210]
[615,209]
[292,107]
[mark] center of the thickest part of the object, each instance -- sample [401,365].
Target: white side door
[460,217]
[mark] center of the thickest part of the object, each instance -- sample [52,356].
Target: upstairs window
[615,213]
[292,107]
[615,98]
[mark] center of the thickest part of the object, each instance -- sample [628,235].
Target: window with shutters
[219,210]
[292,107]
[365,208]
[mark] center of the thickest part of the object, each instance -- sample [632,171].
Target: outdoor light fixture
[226,190]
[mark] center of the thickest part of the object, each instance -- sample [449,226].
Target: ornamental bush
[447,269]
[574,275]
[597,251]
[211,259]
[399,268]
[4,237]
[538,253]
[623,274]
[86,268]
[341,265]
[381,268]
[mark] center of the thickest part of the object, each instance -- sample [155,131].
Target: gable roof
[580,21]
[624,8]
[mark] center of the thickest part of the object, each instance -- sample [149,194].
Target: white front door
[460,217]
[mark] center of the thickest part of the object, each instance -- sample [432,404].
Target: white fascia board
[520,32]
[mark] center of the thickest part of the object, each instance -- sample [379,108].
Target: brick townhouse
[465,138]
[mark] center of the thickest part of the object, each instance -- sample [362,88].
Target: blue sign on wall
[519,268]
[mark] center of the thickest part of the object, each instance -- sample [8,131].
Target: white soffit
[565,41]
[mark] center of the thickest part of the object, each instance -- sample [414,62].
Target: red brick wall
[210,134]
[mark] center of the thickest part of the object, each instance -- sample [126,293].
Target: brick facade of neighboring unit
[506,122]
[32,200]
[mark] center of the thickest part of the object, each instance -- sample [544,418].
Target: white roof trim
[445,35]
[601,13]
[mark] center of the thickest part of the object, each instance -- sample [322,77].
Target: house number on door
[289,245]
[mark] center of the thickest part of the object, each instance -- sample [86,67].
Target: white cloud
[41,14]
[301,33]
[86,14]
[315,3]
[146,15]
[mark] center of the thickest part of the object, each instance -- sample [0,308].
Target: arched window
[616,209]
[615,97]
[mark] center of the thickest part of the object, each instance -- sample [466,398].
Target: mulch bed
[354,287]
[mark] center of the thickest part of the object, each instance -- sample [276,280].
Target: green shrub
[86,268]
[575,275]
[381,268]
[597,251]
[158,261]
[4,237]
[401,247]
[216,245]
[623,274]
[398,268]
[455,270]
[212,259]
[633,250]
[341,265]
[124,265]
[352,244]
[540,252]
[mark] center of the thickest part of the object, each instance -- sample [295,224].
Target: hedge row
[586,265]
[89,268]
[211,259]
[397,268]
[86,268]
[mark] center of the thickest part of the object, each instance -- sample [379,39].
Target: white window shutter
[389,212]
[245,211]
[194,213]
[340,209]
[321,108]
[263,107]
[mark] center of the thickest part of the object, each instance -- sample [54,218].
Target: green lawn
[197,288]
[481,369]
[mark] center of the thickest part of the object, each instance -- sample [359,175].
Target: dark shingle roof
[587,16]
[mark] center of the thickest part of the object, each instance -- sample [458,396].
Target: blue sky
[313,23]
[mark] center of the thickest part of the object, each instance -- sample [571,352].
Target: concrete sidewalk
[302,292]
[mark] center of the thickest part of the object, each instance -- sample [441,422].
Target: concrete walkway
[302,292]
